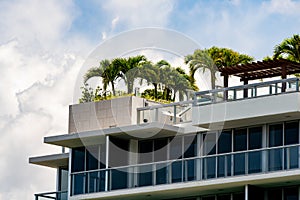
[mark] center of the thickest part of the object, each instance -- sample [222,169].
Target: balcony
[231,168]
[60,195]
[247,104]
[172,114]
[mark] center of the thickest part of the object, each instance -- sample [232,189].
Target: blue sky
[43,45]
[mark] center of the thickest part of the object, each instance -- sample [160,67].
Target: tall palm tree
[289,49]
[107,71]
[201,59]
[192,84]
[130,69]
[180,82]
[151,73]
[224,57]
[210,59]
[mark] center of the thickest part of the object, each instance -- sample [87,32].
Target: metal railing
[198,168]
[59,195]
[247,91]
[173,113]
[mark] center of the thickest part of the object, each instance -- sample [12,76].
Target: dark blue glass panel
[92,156]
[190,146]
[224,142]
[291,157]
[209,168]
[118,179]
[78,155]
[254,162]
[102,181]
[78,184]
[291,134]
[240,140]
[190,168]
[255,138]
[239,164]
[224,166]
[209,144]
[177,171]
[93,182]
[145,175]
[275,135]
[161,174]
[275,159]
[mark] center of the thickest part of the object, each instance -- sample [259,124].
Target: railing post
[138,117]
[156,115]
[174,119]
[234,94]
[297,85]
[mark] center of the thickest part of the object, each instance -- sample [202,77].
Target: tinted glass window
[255,138]
[290,193]
[176,148]
[92,156]
[160,149]
[240,140]
[78,155]
[190,146]
[118,152]
[145,151]
[275,135]
[209,144]
[291,133]
[224,142]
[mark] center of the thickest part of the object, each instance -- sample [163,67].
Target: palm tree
[151,73]
[107,71]
[212,58]
[180,82]
[201,59]
[192,84]
[130,69]
[289,49]
[224,57]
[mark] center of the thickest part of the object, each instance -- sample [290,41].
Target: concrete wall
[104,114]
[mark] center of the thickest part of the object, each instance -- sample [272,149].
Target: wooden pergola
[260,70]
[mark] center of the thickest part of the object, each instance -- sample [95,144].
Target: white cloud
[284,7]
[114,22]
[38,72]
[36,22]
[140,13]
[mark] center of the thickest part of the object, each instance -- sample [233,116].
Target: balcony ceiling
[142,131]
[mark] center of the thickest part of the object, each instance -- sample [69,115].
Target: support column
[133,160]
[70,184]
[283,76]
[107,163]
[246,192]
[245,90]
[225,86]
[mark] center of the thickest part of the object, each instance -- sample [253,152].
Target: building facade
[222,145]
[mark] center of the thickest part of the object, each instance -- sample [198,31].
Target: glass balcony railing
[60,195]
[174,113]
[247,91]
[231,164]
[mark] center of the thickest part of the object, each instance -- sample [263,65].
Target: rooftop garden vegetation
[168,83]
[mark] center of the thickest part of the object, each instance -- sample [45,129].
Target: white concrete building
[223,145]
